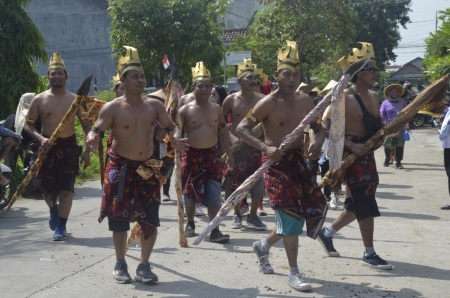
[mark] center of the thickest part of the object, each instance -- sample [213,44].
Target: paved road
[412,234]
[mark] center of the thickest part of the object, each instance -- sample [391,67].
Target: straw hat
[306,88]
[315,89]
[327,88]
[388,89]
[160,94]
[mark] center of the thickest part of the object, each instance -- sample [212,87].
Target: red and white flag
[166,62]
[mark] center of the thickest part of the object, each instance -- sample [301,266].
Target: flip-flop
[5,183]
[446,207]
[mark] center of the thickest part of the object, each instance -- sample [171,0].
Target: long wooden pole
[173,111]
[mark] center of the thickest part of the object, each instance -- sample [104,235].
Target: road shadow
[391,196]
[410,215]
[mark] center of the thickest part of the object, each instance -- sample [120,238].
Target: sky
[423,21]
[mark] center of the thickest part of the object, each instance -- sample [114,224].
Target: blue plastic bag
[407,136]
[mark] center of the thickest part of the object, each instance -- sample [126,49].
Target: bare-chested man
[203,124]
[362,176]
[247,159]
[293,194]
[131,190]
[60,167]
[187,98]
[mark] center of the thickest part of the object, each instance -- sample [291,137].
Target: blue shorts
[288,225]
[256,192]
[211,198]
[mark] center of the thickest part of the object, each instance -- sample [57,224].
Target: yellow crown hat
[116,80]
[262,77]
[288,57]
[56,61]
[357,55]
[128,60]
[200,72]
[245,68]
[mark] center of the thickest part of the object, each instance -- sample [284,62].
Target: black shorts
[152,212]
[67,183]
[363,206]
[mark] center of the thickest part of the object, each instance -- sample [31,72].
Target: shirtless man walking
[293,194]
[361,177]
[131,190]
[247,159]
[203,124]
[60,167]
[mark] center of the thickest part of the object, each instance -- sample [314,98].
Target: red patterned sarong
[197,165]
[138,194]
[247,160]
[292,189]
[363,171]
[61,159]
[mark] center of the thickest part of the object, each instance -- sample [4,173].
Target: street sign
[235,58]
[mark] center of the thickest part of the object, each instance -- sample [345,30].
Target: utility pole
[435,28]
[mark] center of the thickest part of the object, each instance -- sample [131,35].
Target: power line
[237,15]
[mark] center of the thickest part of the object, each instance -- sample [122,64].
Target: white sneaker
[236,223]
[199,210]
[298,283]
[334,203]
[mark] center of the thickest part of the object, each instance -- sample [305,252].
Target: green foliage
[106,95]
[321,28]
[93,171]
[21,46]
[188,28]
[378,22]
[437,56]
[325,31]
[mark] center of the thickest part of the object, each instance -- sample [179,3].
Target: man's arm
[253,117]
[30,121]
[225,139]
[226,106]
[169,127]
[86,126]
[102,124]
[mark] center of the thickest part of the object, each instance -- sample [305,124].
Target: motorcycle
[420,120]
[27,150]
[7,191]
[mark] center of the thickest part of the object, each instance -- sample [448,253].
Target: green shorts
[288,225]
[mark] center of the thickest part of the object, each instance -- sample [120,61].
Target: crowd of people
[208,125]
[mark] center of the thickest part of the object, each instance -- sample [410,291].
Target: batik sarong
[246,161]
[363,171]
[198,165]
[292,189]
[61,160]
[129,189]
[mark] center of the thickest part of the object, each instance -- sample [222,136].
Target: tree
[322,29]
[378,22]
[375,21]
[188,28]
[22,45]
[437,55]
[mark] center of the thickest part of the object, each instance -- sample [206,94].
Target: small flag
[166,62]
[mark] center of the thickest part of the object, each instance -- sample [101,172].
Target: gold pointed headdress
[200,72]
[245,68]
[116,80]
[288,57]
[262,77]
[128,60]
[364,53]
[56,61]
